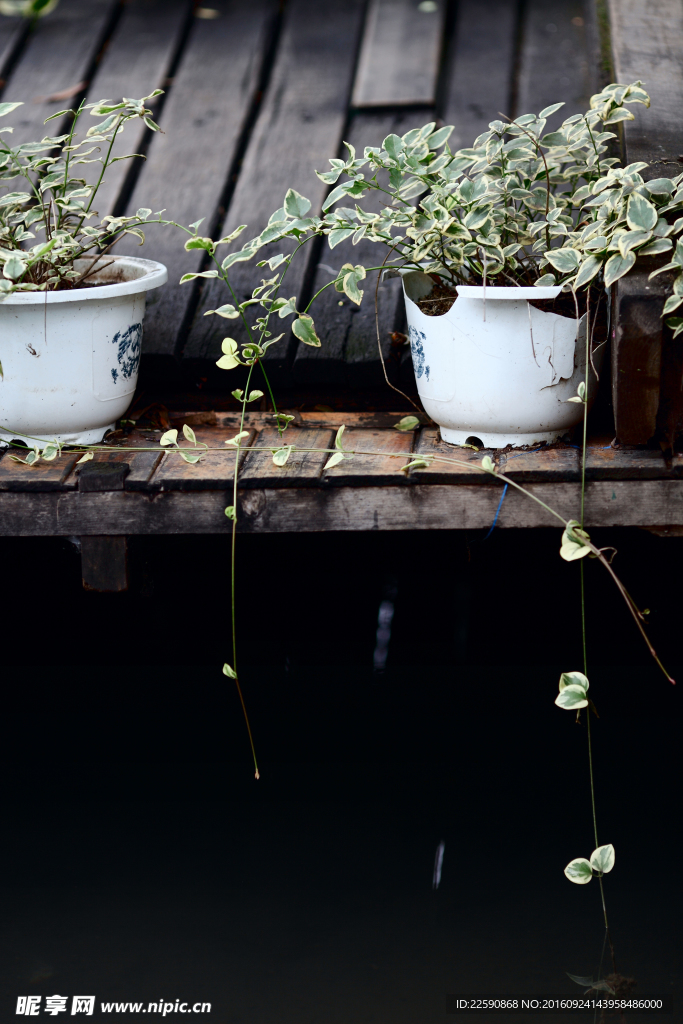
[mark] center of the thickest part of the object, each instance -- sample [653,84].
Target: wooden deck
[256,96]
[124,492]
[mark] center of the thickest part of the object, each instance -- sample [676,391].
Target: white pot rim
[149,275]
[494,292]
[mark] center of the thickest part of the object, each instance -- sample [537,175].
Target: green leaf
[14,198]
[579,871]
[572,546]
[228,670]
[143,213]
[547,111]
[228,311]
[617,266]
[85,458]
[547,281]
[655,247]
[189,458]
[565,260]
[7,108]
[284,307]
[587,271]
[230,513]
[641,214]
[407,424]
[338,235]
[281,456]
[573,689]
[338,439]
[304,330]
[334,460]
[228,361]
[188,432]
[437,139]
[238,257]
[574,679]
[632,239]
[416,464]
[191,277]
[170,437]
[199,243]
[296,205]
[237,439]
[228,238]
[672,303]
[572,698]
[14,268]
[488,464]
[350,281]
[602,859]
[621,114]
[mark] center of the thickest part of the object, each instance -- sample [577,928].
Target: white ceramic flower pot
[70,358]
[496,368]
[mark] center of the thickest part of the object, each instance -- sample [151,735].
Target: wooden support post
[104,563]
[104,558]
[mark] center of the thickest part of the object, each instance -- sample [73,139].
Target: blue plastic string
[495,518]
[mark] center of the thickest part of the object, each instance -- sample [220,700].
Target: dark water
[143,862]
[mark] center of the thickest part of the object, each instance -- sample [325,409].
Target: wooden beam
[646,503]
[400,54]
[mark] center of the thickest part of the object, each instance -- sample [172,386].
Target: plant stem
[232,575]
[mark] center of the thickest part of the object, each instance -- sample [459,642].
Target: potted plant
[71,313]
[505,250]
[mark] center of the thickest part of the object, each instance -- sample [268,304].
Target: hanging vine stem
[379,339]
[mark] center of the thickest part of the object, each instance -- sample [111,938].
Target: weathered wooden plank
[481,64]
[603,462]
[44,476]
[301,469]
[646,503]
[188,167]
[13,32]
[137,60]
[542,464]
[214,472]
[556,60]
[647,44]
[400,54]
[394,448]
[59,56]
[299,127]
[349,352]
[465,467]
[104,563]
[141,464]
